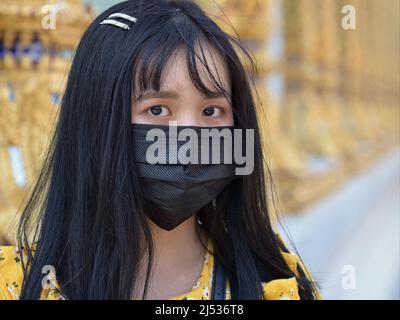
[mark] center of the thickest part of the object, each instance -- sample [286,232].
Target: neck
[177,254]
[182,245]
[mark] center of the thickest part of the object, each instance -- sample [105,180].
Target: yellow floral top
[11,276]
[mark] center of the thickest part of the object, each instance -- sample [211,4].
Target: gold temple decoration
[342,92]
[34,61]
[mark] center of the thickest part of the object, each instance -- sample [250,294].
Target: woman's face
[179,100]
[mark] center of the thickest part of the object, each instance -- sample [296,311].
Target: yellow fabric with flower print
[11,276]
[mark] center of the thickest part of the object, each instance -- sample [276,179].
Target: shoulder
[297,266]
[284,288]
[11,273]
[12,276]
[292,260]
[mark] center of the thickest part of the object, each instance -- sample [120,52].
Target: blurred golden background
[330,95]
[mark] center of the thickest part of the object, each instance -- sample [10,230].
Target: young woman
[103,225]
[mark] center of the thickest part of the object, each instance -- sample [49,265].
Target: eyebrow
[174,95]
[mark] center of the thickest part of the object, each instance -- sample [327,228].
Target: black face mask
[176,191]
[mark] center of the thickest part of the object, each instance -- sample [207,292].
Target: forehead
[178,73]
[209,65]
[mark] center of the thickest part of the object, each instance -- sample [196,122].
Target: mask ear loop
[214,205]
[225,226]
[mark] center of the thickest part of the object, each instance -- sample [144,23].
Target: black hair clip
[118,23]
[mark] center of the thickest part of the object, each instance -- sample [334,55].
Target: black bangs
[180,36]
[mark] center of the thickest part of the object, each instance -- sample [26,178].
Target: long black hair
[86,214]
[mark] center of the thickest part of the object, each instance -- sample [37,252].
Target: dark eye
[158,111]
[211,112]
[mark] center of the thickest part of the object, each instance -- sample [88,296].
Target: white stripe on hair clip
[117,23]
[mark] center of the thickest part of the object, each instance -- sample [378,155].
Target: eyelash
[148,110]
[220,109]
